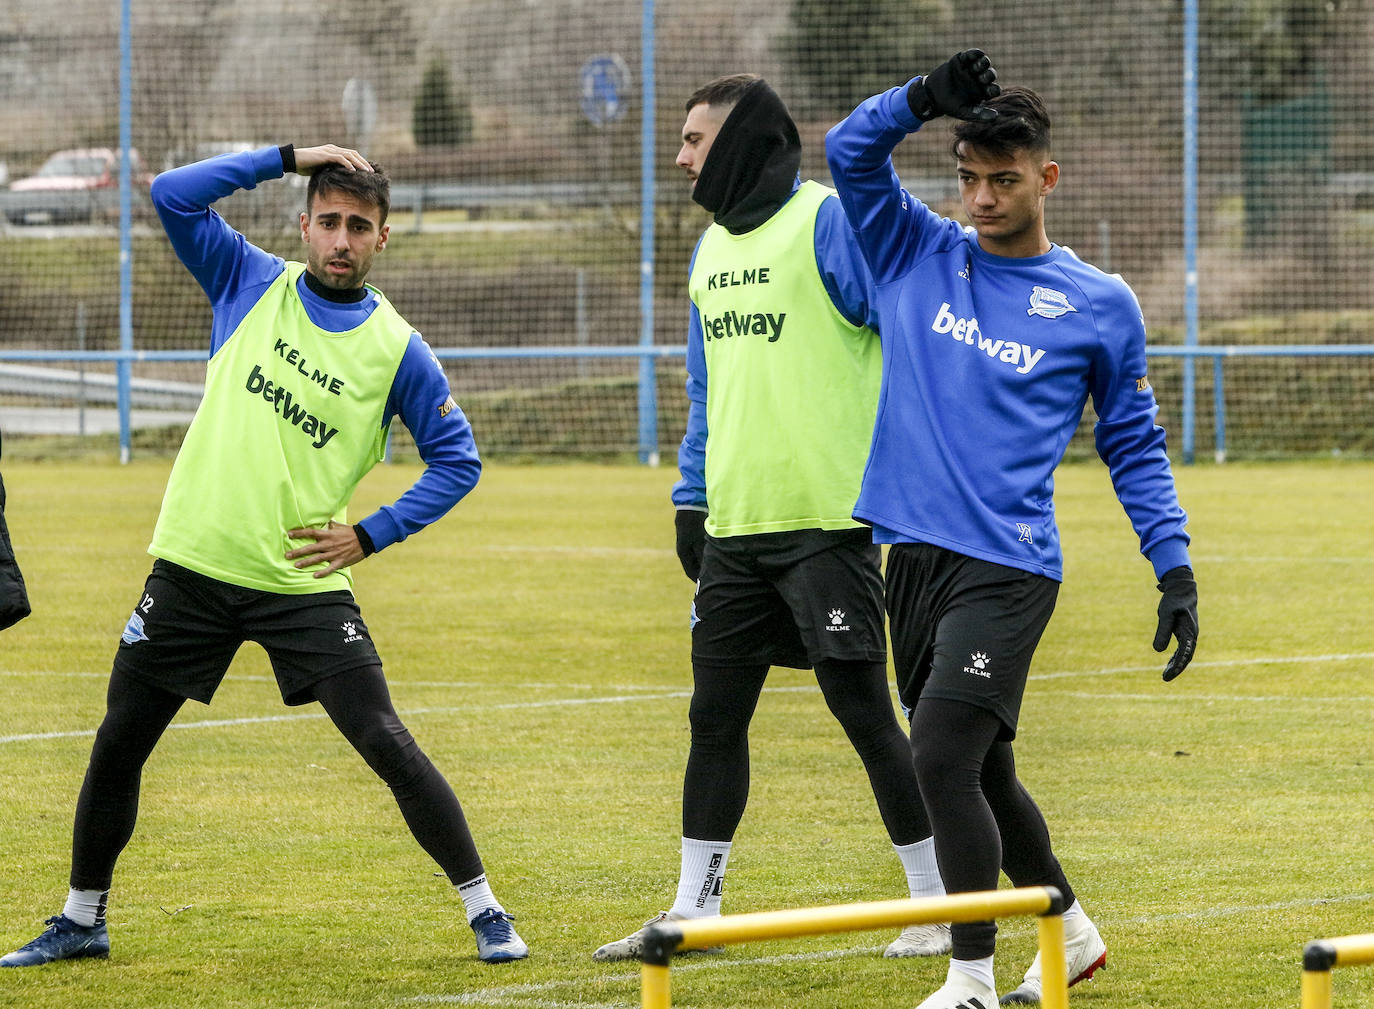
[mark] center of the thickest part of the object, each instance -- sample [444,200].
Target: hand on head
[310,158]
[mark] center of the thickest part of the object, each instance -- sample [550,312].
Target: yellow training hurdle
[661,941]
[1320,955]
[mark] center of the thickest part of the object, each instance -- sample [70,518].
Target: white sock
[86,907]
[1074,917]
[922,873]
[979,970]
[477,897]
[701,878]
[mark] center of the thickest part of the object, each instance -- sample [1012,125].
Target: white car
[81,184]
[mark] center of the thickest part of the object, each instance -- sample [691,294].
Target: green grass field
[536,641]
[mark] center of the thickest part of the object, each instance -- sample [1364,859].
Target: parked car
[74,185]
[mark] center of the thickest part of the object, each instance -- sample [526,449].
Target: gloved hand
[1177,618]
[691,540]
[958,87]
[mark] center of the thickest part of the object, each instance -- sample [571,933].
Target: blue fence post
[124,369]
[648,392]
[1190,312]
[1219,407]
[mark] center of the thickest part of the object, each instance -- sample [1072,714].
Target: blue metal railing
[649,354]
[1221,353]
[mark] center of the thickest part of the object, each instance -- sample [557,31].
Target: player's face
[698,133]
[1004,198]
[343,234]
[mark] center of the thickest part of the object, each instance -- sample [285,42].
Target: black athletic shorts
[789,599]
[964,629]
[186,628]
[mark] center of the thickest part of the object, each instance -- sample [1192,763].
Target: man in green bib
[308,367]
[783,370]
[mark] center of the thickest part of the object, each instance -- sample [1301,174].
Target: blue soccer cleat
[65,940]
[496,938]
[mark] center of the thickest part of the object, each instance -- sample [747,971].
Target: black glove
[958,87]
[691,540]
[1177,618]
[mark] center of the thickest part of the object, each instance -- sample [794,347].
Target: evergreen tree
[439,117]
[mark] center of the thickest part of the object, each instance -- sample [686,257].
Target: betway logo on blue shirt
[1018,355]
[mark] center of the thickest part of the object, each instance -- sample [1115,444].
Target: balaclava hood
[753,162]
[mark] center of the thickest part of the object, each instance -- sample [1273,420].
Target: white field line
[576,551]
[447,709]
[1061,674]
[503,996]
[655,694]
[595,551]
[1280,559]
[613,551]
[394,683]
[516,995]
[1216,664]
[1177,695]
[517,1002]
[1229,912]
[211,723]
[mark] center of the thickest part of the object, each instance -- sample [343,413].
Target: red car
[75,185]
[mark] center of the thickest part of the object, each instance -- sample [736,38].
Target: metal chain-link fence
[512,131]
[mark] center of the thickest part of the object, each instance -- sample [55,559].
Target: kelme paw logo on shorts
[979,665]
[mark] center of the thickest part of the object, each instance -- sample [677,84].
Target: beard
[340,281]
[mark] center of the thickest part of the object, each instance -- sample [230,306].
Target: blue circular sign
[604,80]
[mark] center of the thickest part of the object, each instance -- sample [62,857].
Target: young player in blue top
[308,367]
[994,338]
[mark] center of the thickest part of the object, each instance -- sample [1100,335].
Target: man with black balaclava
[783,370]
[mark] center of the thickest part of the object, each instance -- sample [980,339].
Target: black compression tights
[984,818]
[136,715]
[356,701]
[716,786]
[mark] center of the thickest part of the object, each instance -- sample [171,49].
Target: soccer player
[783,372]
[308,367]
[14,597]
[993,340]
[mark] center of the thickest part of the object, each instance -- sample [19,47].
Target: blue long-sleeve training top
[235,274]
[988,362]
[850,288]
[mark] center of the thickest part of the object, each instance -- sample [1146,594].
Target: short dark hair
[1022,124]
[371,187]
[727,90]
